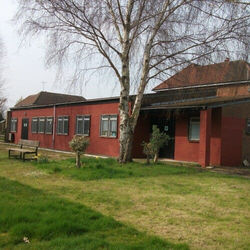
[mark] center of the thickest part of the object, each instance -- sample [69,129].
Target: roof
[48,98]
[212,101]
[195,75]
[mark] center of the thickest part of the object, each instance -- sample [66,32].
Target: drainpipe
[54,126]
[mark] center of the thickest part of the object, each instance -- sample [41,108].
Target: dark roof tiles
[46,98]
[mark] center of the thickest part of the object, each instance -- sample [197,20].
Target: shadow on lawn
[53,223]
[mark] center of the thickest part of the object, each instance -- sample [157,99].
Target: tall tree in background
[2,97]
[140,40]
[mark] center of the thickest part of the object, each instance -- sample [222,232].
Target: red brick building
[204,109]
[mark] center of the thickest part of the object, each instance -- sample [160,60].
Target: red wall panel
[232,132]
[184,149]
[215,141]
[98,145]
[142,133]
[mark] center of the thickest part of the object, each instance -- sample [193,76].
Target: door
[25,127]
[166,124]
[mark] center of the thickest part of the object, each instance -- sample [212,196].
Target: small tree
[147,150]
[79,145]
[157,140]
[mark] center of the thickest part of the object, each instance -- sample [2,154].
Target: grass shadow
[50,222]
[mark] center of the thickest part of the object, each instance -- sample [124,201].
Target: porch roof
[208,102]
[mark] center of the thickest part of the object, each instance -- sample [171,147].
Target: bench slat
[21,150]
[29,143]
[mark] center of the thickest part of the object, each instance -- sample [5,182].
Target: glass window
[34,125]
[49,125]
[113,126]
[41,125]
[82,125]
[108,125]
[248,126]
[86,126]
[13,125]
[63,125]
[194,129]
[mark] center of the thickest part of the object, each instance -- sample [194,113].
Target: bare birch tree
[138,39]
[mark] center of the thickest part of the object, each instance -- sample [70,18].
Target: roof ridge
[54,93]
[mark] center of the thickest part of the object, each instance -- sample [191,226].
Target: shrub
[79,145]
[147,150]
[157,140]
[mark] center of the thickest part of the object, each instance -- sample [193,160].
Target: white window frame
[12,122]
[63,128]
[84,118]
[191,121]
[52,122]
[41,119]
[32,126]
[109,118]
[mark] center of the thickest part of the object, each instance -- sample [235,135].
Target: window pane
[113,128]
[34,125]
[60,125]
[41,125]
[49,125]
[248,126]
[194,129]
[104,126]
[66,125]
[13,125]
[86,125]
[79,125]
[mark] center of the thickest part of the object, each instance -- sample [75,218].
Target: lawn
[177,205]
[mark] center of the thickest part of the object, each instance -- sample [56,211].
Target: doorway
[25,128]
[166,123]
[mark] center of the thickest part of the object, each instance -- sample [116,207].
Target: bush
[79,145]
[157,140]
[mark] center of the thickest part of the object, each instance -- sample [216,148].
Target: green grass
[178,204]
[53,223]
[99,168]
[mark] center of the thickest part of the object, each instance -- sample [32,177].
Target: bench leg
[23,156]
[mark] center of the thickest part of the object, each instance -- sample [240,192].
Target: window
[108,125]
[49,125]
[62,125]
[194,129]
[82,124]
[248,126]
[41,125]
[34,125]
[13,125]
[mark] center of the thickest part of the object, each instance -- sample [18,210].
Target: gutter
[202,105]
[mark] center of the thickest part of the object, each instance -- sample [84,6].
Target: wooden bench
[26,147]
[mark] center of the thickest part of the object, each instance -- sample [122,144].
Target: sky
[24,69]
